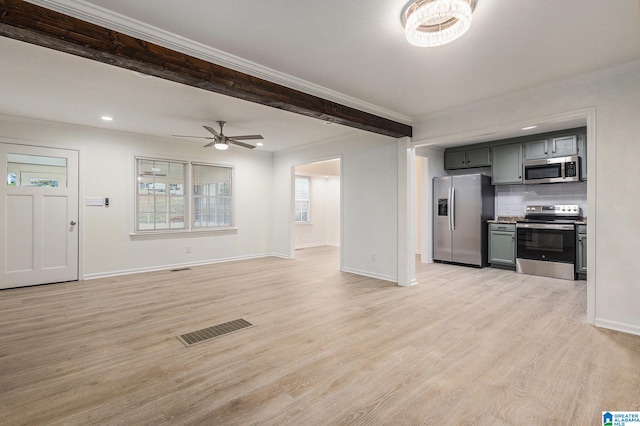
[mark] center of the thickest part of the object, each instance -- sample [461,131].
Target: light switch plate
[94,201]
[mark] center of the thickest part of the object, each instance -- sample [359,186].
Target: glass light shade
[436,22]
[221,146]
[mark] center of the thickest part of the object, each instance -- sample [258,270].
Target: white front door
[38,215]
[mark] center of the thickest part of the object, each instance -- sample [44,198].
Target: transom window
[303,199]
[182,196]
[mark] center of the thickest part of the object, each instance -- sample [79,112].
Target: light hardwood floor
[465,346]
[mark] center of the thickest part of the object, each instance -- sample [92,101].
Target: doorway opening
[317,204]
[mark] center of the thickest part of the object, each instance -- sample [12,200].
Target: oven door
[546,242]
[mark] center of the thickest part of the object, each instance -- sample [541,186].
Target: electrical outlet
[373,257]
[188,249]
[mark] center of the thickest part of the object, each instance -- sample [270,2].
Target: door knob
[72,223]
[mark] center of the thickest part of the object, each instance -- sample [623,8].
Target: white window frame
[231,197]
[185,195]
[189,196]
[298,200]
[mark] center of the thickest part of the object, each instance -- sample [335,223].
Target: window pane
[161,194]
[212,203]
[302,198]
[35,170]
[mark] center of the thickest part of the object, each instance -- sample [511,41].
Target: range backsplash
[512,199]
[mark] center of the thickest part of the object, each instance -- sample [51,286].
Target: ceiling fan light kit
[430,23]
[222,142]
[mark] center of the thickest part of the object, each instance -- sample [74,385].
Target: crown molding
[105,18]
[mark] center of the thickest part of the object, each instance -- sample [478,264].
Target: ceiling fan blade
[196,137]
[245,137]
[212,131]
[210,144]
[242,144]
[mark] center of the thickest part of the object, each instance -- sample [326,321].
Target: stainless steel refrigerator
[462,206]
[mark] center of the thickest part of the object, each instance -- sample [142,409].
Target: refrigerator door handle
[452,211]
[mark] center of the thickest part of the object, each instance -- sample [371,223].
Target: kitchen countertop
[506,219]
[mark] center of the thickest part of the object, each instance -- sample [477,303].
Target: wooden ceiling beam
[37,25]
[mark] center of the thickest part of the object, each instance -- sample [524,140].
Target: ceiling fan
[220,141]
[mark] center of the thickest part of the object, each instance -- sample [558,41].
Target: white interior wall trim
[370,275]
[176,266]
[618,326]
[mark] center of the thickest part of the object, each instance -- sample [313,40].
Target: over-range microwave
[552,170]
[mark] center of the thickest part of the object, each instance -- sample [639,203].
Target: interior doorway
[317,204]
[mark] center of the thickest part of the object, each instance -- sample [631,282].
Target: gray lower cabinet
[582,152]
[506,167]
[502,245]
[581,251]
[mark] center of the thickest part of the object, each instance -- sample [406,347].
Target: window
[35,170]
[160,195]
[164,201]
[303,199]
[212,192]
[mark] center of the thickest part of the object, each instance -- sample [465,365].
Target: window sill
[157,235]
[303,223]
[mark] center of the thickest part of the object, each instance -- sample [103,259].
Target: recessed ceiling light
[529,127]
[107,118]
[259,144]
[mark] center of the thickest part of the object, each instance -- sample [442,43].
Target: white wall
[324,228]
[107,170]
[614,176]
[369,201]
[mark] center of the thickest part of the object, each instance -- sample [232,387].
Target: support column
[406,213]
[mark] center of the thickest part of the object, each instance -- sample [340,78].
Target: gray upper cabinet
[564,146]
[550,148]
[475,157]
[507,164]
[479,157]
[455,160]
[505,157]
[536,150]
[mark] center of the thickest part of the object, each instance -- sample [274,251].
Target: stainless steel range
[546,241]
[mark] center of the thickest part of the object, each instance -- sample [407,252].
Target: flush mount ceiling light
[429,23]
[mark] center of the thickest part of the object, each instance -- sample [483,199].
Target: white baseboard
[618,326]
[311,245]
[371,275]
[177,266]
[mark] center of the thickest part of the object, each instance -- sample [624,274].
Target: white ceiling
[350,51]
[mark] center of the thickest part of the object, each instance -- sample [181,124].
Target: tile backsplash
[511,199]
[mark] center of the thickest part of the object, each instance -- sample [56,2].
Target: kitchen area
[529,211]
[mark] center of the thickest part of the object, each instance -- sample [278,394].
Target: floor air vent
[209,333]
